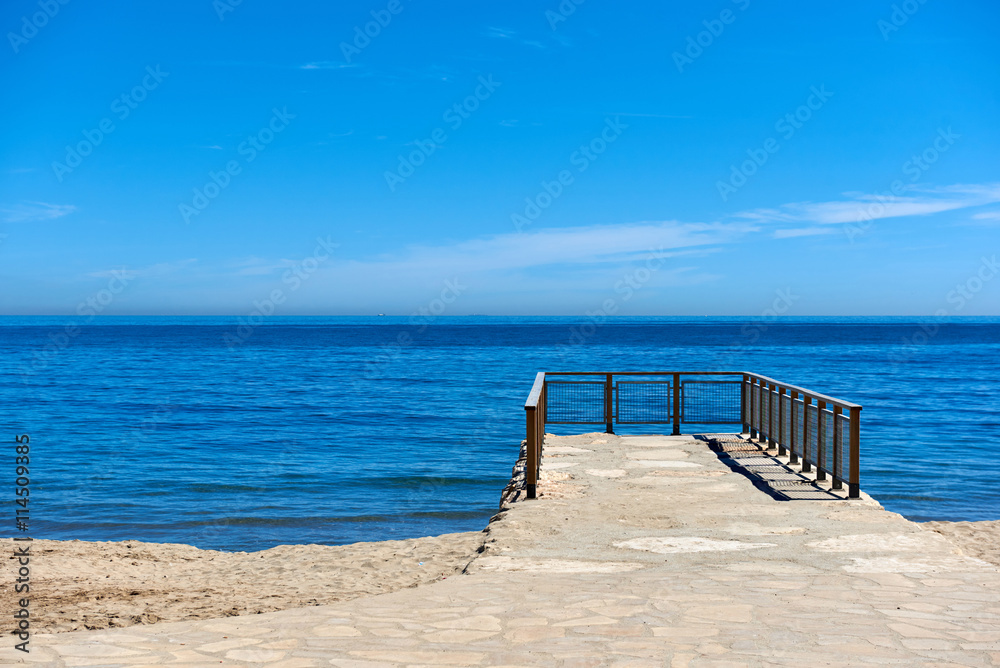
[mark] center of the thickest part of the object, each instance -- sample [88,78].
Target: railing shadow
[766,471]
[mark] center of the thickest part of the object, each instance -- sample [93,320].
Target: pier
[718,549]
[813,429]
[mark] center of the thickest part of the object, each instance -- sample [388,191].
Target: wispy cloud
[513,35]
[327,65]
[803,232]
[985,219]
[153,270]
[559,246]
[26,212]
[640,115]
[863,206]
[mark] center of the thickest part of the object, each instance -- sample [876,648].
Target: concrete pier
[639,551]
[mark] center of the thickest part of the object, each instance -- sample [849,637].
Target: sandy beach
[976,539]
[79,585]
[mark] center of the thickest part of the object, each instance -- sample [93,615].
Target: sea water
[337,430]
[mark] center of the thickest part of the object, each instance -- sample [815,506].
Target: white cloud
[638,115]
[861,206]
[326,65]
[153,270]
[565,263]
[506,33]
[803,232]
[36,211]
[575,245]
[987,215]
[984,219]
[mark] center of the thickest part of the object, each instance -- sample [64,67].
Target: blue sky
[500,157]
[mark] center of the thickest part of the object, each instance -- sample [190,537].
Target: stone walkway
[640,551]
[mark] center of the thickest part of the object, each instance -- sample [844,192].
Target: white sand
[94,585]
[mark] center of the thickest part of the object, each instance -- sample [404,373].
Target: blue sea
[336,430]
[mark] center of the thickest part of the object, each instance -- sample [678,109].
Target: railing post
[793,454]
[753,409]
[838,465]
[608,408]
[677,404]
[531,451]
[820,440]
[806,402]
[744,418]
[854,482]
[782,436]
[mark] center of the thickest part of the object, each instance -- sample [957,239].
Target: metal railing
[812,429]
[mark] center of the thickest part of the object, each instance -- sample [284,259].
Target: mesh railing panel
[844,445]
[799,426]
[643,402]
[574,402]
[772,402]
[755,401]
[827,436]
[809,442]
[786,418]
[710,401]
[765,413]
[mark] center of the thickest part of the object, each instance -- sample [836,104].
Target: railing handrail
[801,390]
[536,391]
[644,373]
[794,388]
